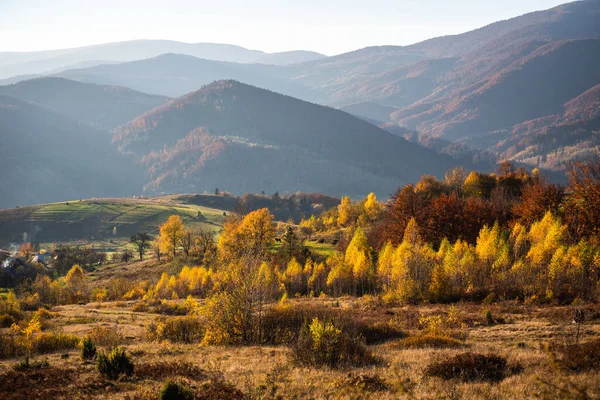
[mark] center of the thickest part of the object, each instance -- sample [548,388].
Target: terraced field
[99,221]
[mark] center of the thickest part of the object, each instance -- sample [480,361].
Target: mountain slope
[551,141]
[252,139]
[103,107]
[533,87]
[45,156]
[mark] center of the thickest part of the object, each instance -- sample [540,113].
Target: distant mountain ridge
[52,61]
[103,107]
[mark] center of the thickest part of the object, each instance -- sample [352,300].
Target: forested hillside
[252,139]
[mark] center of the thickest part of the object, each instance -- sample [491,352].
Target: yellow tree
[345,212]
[171,233]
[76,285]
[318,278]
[384,265]
[358,257]
[373,209]
[339,278]
[251,236]
[293,278]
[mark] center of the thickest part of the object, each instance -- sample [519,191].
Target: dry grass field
[521,333]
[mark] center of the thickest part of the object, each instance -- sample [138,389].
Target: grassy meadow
[106,224]
[521,333]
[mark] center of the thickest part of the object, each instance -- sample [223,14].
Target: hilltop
[238,136]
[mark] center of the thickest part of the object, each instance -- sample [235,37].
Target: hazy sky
[327,26]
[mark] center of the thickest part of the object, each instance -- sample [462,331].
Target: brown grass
[261,370]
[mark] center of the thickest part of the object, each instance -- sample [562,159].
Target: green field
[102,222]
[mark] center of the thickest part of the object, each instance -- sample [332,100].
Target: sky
[327,26]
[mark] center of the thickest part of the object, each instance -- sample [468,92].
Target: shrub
[49,342]
[167,308]
[470,367]
[379,332]
[6,320]
[429,340]
[188,329]
[324,344]
[579,357]
[26,364]
[175,390]
[88,349]
[108,337]
[115,364]
[11,346]
[282,324]
[367,383]
[161,369]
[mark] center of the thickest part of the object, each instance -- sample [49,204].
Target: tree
[26,250]
[187,241]
[536,199]
[454,179]
[293,278]
[404,205]
[171,233]
[583,206]
[345,212]
[126,255]
[251,236]
[291,246]
[373,209]
[156,250]
[76,285]
[358,257]
[141,241]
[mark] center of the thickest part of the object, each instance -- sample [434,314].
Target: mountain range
[194,116]
[53,61]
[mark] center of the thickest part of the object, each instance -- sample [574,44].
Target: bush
[175,390]
[108,337]
[579,357]
[324,344]
[115,364]
[188,329]
[469,367]
[161,369]
[429,340]
[88,349]
[6,320]
[379,332]
[282,324]
[367,383]
[49,342]
[11,346]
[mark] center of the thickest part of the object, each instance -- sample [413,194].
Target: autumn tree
[291,246]
[171,233]
[372,208]
[251,236]
[187,241]
[583,207]
[358,257]
[141,242]
[538,198]
[345,212]
[405,204]
[26,250]
[76,285]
